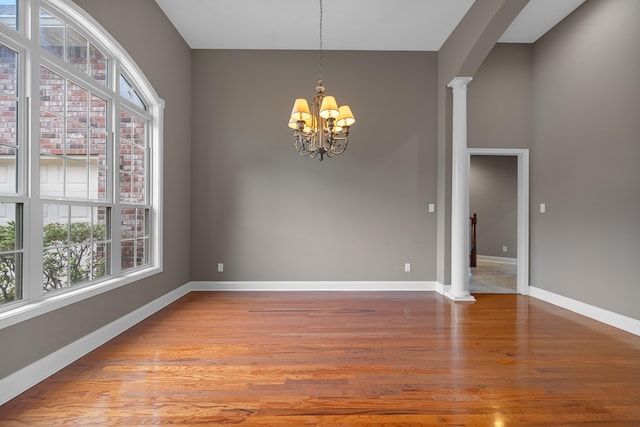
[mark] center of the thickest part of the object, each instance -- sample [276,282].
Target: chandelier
[323,129]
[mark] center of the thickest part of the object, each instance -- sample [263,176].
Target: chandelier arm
[339,148]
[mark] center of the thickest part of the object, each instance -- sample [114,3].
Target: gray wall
[585,159]
[269,214]
[493,195]
[499,99]
[168,69]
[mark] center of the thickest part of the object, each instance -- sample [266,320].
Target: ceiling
[411,25]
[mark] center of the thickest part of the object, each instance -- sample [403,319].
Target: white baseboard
[31,375]
[303,286]
[596,313]
[503,260]
[442,289]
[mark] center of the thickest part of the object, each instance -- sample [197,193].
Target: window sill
[30,309]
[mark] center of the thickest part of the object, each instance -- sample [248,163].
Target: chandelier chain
[320,50]
[322,130]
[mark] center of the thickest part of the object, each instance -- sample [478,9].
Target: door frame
[522,258]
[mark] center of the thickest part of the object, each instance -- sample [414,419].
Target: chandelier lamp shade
[323,129]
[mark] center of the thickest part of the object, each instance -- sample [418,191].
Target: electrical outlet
[432,208]
[220,267]
[504,249]
[407,267]
[543,207]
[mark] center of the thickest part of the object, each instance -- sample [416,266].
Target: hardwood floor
[348,359]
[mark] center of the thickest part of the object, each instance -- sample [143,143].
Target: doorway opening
[499,187]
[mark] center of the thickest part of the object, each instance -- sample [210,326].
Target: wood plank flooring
[347,359]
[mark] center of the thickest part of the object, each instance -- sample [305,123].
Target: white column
[459,290]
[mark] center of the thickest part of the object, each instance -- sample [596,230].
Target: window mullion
[114,171]
[33,219]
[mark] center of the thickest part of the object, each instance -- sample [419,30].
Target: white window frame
[26,42]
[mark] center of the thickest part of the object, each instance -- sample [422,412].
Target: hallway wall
[585,156]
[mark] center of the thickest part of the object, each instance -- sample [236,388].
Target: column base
[459,298]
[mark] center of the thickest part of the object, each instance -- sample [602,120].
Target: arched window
[80,159]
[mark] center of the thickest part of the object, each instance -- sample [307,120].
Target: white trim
[31,375]
[498,259]
[610,318]
[523,208]
[305,286]
[441,288]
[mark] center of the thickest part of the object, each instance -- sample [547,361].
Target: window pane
[125,186]
[55,269]
[138,100]
[126,168]
[126,126]
[126,153]
[77,180]
[55,240]
[128,224]
[56,218]
[133,230]
[81,220]
[138,188]
[10,254]
[101,260]
[102,237]
[8,120]
[51,92]
[125,88]
[80,249]
[138,161]
[9,287]
[76,244]
[133,159]
[77,103]
[77,50]
[98,113]
[8,72]
[51,33]
[8,170]
[98,162]
[80,263]
[8,227]
[141,251]
[128,92]
[99,65]
[127,252]
[9,13]
[77,140]
[51,134]
[139,131]
[52,176]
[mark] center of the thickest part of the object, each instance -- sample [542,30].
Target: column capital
[459,82]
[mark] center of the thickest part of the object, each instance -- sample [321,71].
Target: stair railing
[474,253]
